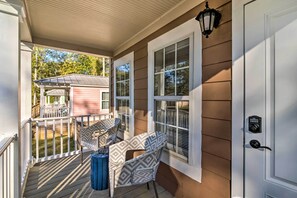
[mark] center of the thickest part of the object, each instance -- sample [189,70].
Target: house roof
[56,92]
[75,79]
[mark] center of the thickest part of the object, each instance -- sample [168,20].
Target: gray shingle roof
[56,92]
[75,79]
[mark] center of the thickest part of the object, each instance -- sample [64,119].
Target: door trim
[238,82]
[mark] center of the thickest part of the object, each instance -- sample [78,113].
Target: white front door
[270,44]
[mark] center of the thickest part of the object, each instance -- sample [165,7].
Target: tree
[49,63]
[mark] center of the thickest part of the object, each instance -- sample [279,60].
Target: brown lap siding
[216,107]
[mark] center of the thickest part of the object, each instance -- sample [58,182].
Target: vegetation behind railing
[35,111]
[57,137]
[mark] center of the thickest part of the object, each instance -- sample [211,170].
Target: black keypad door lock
[255,124]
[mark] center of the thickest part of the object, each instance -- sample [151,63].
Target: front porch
[65,177]
[200,162]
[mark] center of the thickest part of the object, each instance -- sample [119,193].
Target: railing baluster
[8,170]
[54,123]
[61,136]
[37,141]
[45,138]
[30,142]
[1,176]
[75,134]
[68,134]
[54,137]
[5,174]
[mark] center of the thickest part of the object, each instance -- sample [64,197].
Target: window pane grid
[171,89]
[172,118]
[122,107]
[105,100]
[168,81]
[123,94]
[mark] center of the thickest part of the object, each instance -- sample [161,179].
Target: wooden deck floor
[65,177]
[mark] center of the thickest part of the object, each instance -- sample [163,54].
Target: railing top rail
[6,144]
[67,117]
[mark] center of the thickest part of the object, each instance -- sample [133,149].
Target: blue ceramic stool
[99,171]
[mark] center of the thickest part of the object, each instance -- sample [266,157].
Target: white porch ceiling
[94,24]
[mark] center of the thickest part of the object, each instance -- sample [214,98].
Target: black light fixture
[208,19]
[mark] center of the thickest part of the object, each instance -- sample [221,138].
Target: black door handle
[256,145]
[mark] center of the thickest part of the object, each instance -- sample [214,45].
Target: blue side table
[99,171]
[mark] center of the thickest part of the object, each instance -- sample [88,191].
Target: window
[174,96]
[123,73]
[105,100]
[171,82]
[122,93]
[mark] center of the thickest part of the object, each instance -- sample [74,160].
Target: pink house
[74,95]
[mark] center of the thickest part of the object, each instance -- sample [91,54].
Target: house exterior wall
[216,106]
[87,100]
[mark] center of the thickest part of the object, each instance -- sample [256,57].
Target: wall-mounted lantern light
[208,19]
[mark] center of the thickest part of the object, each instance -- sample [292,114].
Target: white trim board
[188,29]
[237,180]
[129,58]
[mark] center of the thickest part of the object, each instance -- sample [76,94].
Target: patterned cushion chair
[139,170]
[99,135]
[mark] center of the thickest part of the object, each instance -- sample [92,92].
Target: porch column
[42,100]
[25,137]
[26,102]
[10,95]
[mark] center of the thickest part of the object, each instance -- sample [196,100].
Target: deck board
[65,177]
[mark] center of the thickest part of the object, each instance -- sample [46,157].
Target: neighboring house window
[123,75]
[105,100]
[174,95]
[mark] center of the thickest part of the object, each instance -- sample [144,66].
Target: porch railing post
[16,173]
[30,142]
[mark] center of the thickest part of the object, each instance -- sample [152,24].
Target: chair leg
[148,186]
[81,155]
[156,193]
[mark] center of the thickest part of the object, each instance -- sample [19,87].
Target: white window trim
[101,95]
[187,29]
[129,58]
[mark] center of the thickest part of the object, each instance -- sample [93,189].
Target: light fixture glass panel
[212,20]
[206,21]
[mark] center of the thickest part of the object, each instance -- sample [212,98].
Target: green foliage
[49,63]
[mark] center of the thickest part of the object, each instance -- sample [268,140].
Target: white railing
[54,111]
[56,137]
[25,144]
[9,168]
